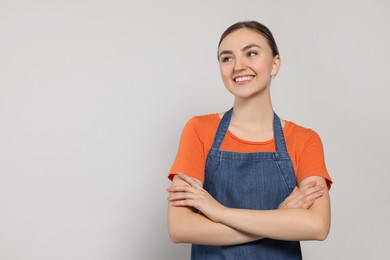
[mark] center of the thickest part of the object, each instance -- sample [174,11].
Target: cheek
[225,73]
[262,66]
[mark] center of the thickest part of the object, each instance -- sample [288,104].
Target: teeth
[240,79]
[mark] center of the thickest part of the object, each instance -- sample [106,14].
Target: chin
[247,93]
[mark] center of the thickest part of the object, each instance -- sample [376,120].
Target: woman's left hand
[193,195]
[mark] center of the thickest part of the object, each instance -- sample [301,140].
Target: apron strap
[279,136]
[222,129]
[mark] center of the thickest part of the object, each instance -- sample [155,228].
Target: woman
[233,193]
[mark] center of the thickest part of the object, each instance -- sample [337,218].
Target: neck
[254,112]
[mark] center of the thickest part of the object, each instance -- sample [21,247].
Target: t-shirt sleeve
[190,158]
[311,161]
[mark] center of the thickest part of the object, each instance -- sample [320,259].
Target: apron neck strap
[222,129]
[278,135]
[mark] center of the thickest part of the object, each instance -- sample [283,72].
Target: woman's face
[246,63]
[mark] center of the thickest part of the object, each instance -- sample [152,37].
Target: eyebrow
[243,49]
[250,46]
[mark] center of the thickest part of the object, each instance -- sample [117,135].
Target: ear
[275,65]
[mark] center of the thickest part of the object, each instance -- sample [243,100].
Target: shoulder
[201,127]
[299,133]
[204,120]
[308,153]
[302,140]
[203,123]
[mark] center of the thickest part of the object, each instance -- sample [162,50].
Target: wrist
[223,215]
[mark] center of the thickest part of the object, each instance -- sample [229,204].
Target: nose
[239,65]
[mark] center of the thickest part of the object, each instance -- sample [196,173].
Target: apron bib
[260,180]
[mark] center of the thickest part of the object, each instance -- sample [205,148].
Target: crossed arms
[304,215]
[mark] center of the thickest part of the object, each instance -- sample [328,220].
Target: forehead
[241,38]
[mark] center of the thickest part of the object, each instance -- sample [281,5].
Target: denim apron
[259,180]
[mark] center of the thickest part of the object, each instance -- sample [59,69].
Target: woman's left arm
[282,224]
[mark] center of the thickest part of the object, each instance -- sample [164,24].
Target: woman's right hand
[303,197]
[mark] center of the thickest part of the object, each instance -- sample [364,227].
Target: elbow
[174,237]
[175,233]
[322,230]
[322,234]
[179,226]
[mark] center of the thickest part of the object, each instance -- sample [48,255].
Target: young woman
[245,183]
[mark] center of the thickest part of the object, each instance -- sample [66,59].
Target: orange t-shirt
[303,145]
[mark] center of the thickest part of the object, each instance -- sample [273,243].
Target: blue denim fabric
[260,180]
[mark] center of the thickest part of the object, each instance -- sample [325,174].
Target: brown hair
[254,26]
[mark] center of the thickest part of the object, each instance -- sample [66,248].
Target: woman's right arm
[184,224]
[187,226]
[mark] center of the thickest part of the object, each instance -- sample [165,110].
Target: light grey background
[94,95]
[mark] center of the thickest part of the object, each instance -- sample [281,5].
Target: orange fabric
[303,145]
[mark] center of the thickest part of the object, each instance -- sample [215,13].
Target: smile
[243,79]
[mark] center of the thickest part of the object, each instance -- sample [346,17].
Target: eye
[226,59]
[251,53]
